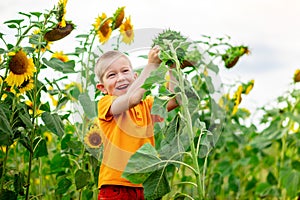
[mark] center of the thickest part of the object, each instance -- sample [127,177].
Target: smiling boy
[125,120]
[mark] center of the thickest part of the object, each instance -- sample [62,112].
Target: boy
[125,120]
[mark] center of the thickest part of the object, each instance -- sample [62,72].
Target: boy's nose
[121,77]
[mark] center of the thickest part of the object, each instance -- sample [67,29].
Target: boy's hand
[153,55]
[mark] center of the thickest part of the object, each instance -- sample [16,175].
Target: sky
[270,28]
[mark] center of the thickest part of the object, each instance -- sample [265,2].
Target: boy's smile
[117,78]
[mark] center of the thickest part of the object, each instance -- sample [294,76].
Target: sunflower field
[207,148]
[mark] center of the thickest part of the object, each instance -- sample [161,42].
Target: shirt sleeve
[104,105]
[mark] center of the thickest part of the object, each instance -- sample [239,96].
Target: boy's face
[117,78]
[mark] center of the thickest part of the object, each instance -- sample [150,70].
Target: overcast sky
[271,29]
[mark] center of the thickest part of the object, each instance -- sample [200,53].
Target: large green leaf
[53,123]
[156,76]
[63,186]
[290,180]
[82,178]
[40,147]
[59,163]
[159,107]
[137,171]
[88,105]
[57,64]
[156,185]
[5,126]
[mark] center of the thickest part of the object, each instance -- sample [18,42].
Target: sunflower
[297,76]
[21,69]
[126,30]
[59,32]
[233,54]
[48,136]
[61,56]
[237,97]
[248,87]
[93,138]
[118,18]
[99,21]
[105,30]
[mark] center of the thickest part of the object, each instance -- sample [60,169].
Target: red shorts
[119,192]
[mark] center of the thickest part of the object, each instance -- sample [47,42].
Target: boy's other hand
[153,57]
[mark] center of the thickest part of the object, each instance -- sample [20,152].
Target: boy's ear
[135,75]
[100,87]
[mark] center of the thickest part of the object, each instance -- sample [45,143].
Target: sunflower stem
[3,168]
[189,125]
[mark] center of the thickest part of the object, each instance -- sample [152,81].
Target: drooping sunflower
[118,18]
[93,138]
[59,32]
[61,56]
[126,30]
[21,69]
[297,76]
[248,87]
[237,97]
[233,54]
[105,30]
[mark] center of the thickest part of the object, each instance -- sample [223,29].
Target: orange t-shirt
[122,136]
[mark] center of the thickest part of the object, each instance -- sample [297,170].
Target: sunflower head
[297,76]
[126,30]
[21,69]
[237,98]
[118,18]
[59,32]
[233,54]
[99,21]
[93,138]
[248,87]
[104,31]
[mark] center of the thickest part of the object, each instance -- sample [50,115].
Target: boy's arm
[135,93]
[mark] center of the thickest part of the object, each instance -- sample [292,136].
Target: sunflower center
[105,29]
[19,63]
[95,139]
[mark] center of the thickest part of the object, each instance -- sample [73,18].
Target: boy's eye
[110,75]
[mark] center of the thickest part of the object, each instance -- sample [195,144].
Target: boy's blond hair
[105,60]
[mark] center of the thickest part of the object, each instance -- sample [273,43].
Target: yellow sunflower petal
[61,56]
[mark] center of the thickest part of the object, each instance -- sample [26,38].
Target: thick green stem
[3,169]
[28,175]
[189,125]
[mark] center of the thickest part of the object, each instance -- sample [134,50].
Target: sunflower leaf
[88,105]
[56,64]
[53,123]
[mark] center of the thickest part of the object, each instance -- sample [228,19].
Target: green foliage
[204,149]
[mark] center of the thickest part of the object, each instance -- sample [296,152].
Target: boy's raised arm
[135,93]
